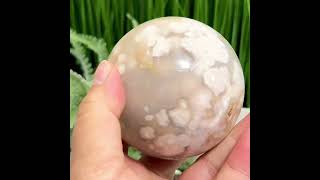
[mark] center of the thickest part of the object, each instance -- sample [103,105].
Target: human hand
[98,152]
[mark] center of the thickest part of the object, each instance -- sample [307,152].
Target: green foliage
[134,153]
[79,52]
[91,42]
[133,20]
[78,89]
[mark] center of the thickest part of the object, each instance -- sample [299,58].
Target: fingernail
[102,72]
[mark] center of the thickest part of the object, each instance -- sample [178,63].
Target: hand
[99,154]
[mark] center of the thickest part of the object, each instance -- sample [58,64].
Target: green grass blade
[73,19]
[217,14]
[227,20]
[133,20]
[97,17]
[235,35]
[90,18]
[186,8]
[83,14]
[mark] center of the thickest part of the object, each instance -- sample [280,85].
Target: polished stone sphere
[184,87]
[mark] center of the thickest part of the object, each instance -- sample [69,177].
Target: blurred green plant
[97,25]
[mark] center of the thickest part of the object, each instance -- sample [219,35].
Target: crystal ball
[184,87]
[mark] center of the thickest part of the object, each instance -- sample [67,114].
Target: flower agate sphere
[184,87]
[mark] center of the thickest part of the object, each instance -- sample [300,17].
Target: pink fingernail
[102,72]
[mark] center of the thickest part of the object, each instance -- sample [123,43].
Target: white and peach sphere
[184,87]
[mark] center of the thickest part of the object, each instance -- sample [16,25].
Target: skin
[98,152]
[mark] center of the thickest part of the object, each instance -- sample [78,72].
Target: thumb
[97,133]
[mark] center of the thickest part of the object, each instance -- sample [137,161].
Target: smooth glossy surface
[184,87]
